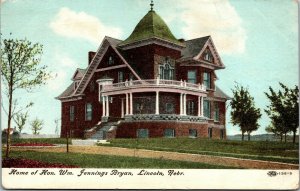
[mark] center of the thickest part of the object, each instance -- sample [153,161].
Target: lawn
[259,150]
[107,161]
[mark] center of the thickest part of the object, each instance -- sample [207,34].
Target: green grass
[259,150]
[108,161]
[40,140]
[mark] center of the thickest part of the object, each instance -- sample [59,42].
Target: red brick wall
[156,129]
[142,58]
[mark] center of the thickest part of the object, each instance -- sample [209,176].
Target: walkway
[226,161]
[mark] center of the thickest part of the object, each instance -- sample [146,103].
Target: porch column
[107,107]
[202,114]
[126,102]
[131,109]
[103,106]
[181,104]
[122,108]
[157,103]
[199,106]
[184,104]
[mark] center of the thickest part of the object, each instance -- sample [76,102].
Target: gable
[209,48]
[97,59]
[110,59]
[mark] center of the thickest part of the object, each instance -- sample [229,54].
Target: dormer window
[208,56]
[110,60]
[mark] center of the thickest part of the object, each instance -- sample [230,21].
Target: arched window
[166,72]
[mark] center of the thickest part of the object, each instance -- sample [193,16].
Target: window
[192,133]
[191,107]
[210,133]
[110,60]
[169,133]
[142,133]
[169,108]
[192,76]
[217,112]
[88,112]
[120,76]
[207,56]
[206,108]
[166,72]
[222,134]
[206,80]
[72,112]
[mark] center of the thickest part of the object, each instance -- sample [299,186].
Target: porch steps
[100,134]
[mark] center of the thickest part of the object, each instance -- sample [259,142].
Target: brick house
[149,85]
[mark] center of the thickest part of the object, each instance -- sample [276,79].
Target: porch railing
[154,82]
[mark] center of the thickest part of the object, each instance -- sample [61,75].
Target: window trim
[87,118]
[111,60]
[173,133]
[208,80]
[188,79]
[216,112]
[120,76]
[191,107]
[72,113]
[166,71]
[209,108]
[191,135]
[137,133]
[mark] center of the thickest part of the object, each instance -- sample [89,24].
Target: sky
[256,39]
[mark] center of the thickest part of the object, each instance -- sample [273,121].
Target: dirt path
[226,161]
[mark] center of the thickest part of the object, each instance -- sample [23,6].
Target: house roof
[68,92]
[220,94]
[193,47]
[151,26]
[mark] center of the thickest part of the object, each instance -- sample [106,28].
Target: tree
[36,126]
[284,109]
[20,119]
[20,69]
[244,113]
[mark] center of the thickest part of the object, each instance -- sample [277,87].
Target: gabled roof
[151,26]
[220,94]
[107,41]
[194,46]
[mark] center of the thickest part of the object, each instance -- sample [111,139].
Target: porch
[161,93]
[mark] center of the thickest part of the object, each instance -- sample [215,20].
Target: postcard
[149,94]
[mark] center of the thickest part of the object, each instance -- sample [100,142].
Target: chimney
[91,56]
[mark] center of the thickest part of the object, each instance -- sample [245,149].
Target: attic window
[207,56]
[110,60]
